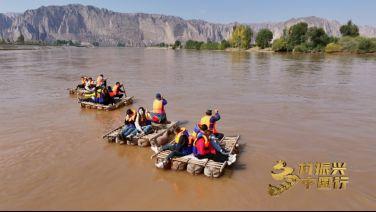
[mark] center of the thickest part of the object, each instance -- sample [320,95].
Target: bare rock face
[90,24]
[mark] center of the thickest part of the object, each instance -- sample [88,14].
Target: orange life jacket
[206,143]
[115,90]
[158,107]
[183,131]
[211,126]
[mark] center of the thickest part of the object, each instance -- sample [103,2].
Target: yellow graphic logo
[286,174]
[324,175]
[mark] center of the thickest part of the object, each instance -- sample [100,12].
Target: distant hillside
[91,24]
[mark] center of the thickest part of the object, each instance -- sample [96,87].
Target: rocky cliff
[91,24]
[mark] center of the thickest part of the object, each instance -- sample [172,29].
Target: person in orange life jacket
[116,90]
[211,121]
[129,125]
[179,148]
[142,123]
[83,83]
[159,114]
[212,139]
[202,149]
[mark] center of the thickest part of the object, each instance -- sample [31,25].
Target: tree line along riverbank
[297,38]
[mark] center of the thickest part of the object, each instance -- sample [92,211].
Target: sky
[362,12]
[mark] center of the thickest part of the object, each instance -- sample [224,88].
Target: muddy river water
[297,108]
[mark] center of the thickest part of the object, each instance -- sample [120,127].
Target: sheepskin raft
[78,91]
[196,166]
[118,103]
[142,140]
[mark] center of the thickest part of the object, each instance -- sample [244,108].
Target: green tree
[241,37]
[21,39]
[317,38]
[177,43]
[349,29]
[279,45]
[296,35]
[263,38]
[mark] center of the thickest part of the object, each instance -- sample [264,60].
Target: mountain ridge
[108,28]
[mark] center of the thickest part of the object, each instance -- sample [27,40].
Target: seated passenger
[83,83]
[104,98]
[181,147]
[142,123]
[203,149]
[159,114]
[212,139]
[116,91]
[90,84]
[91,97]
[129,126]
[210,120]
[101,82]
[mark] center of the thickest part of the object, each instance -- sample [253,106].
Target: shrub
[21,39]
[349,44]
[191,44]
[211,45]
[332,48]
[301,48]
[120,44]
[365,45]
[279,45]
[224,45]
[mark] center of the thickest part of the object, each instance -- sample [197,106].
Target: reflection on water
[295,107]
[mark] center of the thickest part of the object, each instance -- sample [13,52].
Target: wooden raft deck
[195,166]
[142,140]
[119,103]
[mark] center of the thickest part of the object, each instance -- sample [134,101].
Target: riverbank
[269,50]
[5,47]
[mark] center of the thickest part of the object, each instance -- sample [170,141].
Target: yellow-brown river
[297,108]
